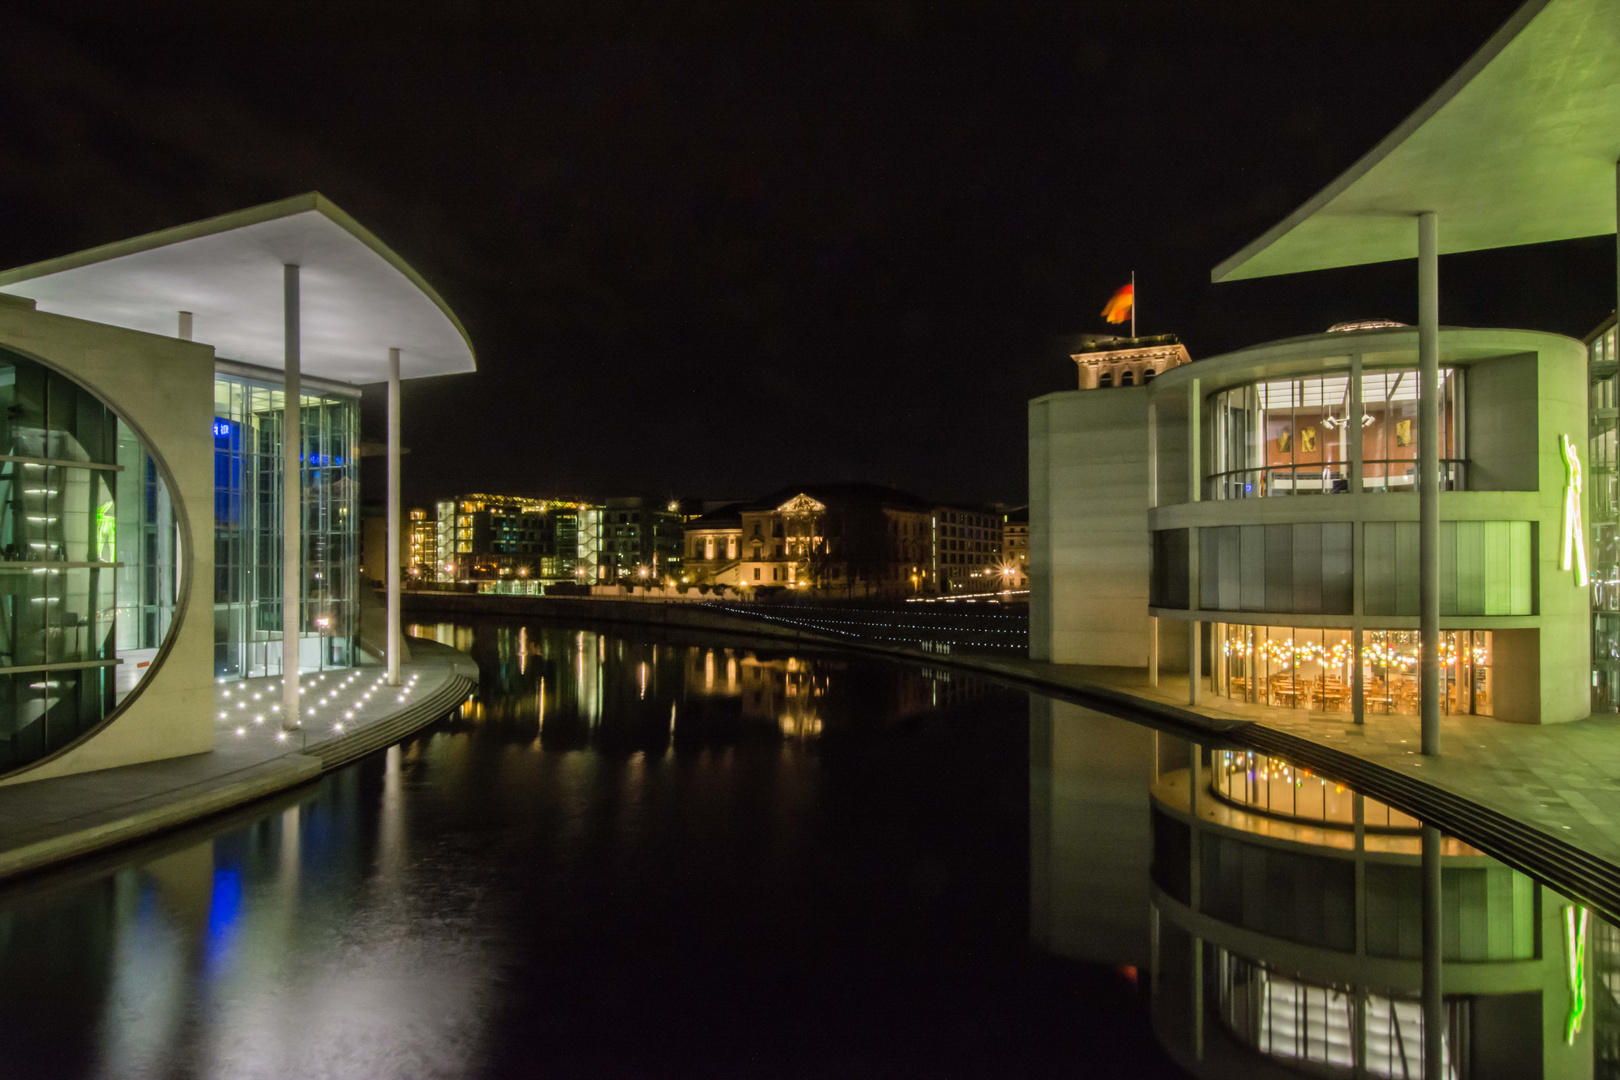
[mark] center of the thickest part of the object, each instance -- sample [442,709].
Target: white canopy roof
[357,298]
[1518,147]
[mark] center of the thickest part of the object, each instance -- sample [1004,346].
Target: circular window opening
[89,561]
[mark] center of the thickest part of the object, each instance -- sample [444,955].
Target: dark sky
[716,248]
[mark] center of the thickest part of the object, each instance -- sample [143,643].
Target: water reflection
[638,854]
[588,689]
[1277,917]
[625,855]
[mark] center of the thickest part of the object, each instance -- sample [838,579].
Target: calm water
[630,856]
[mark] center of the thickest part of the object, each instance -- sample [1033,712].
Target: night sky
[717,248]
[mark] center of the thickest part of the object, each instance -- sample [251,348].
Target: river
[636,855]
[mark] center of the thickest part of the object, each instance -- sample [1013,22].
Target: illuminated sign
[106,532]
[1576,922]
[1574,542]
[222,429]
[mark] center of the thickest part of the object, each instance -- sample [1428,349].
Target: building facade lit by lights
[1015,548]
[1228,500]
[421,546]
[642,540]
[848,540]
[1266,498]
[1105,362]
[145,472]
[494,537]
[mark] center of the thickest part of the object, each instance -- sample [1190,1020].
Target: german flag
[1120,304]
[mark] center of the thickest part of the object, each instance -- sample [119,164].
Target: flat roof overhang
[357,298]
[1313,354]
[1518,147]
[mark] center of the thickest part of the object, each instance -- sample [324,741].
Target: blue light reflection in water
[628,855]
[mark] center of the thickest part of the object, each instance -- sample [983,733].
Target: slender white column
[184,329]
[292,504]
[1195,482]
[1429,476]
[393,517]
[1434,1003]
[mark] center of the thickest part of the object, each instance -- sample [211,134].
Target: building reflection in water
[1274,917]
[573,689]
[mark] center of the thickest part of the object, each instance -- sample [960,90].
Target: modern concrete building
[494,537]
[1264,502]
[643,540]
[158,527]
[1436,562]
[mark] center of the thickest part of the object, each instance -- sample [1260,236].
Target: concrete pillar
[1195,891]
[292,509]
[1195,469]
[1153,650]
[1358,688]
[1352,423]
[1429,477]
[393,518]
[1195,855]
[1195,661]
[1153,453]
[183,332]
[1434,1011]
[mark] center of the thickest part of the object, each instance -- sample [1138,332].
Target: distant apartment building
[642,539]
[487,537]
[1015,548]
[967,549]
[421,546]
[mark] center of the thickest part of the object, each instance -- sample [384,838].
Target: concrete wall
[1564,607]
[1090,832]
[164,387]
[1089,549]
[1523,390]
[1500,425]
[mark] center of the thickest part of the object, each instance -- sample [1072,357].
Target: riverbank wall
[47,823]
[1543,799]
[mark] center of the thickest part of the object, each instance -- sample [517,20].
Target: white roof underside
[1518,147]
[357,298]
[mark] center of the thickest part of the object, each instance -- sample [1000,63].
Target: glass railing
[1393,475]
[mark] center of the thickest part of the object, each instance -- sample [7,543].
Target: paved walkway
[1545,798]
[350,714]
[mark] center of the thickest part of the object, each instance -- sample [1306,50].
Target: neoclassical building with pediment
[841,539]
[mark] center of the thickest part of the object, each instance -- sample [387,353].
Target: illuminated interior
[1305,668]
[1294,436]
[89,557]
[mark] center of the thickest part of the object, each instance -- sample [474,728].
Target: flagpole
[1133,305]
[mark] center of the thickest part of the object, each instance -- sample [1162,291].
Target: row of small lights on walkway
[355,705]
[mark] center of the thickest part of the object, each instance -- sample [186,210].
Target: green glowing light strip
[1574,538]
[1575,928]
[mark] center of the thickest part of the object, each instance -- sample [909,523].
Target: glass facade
[1311,669]
[89,552]
[1293,436]
[1272,786]
[1603,518]
[1325,1029]
[249,417]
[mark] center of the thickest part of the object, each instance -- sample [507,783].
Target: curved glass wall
[1330,1030]
[1304,668]
[89,560]
[1294,436]
[1272,786]
[248,422]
